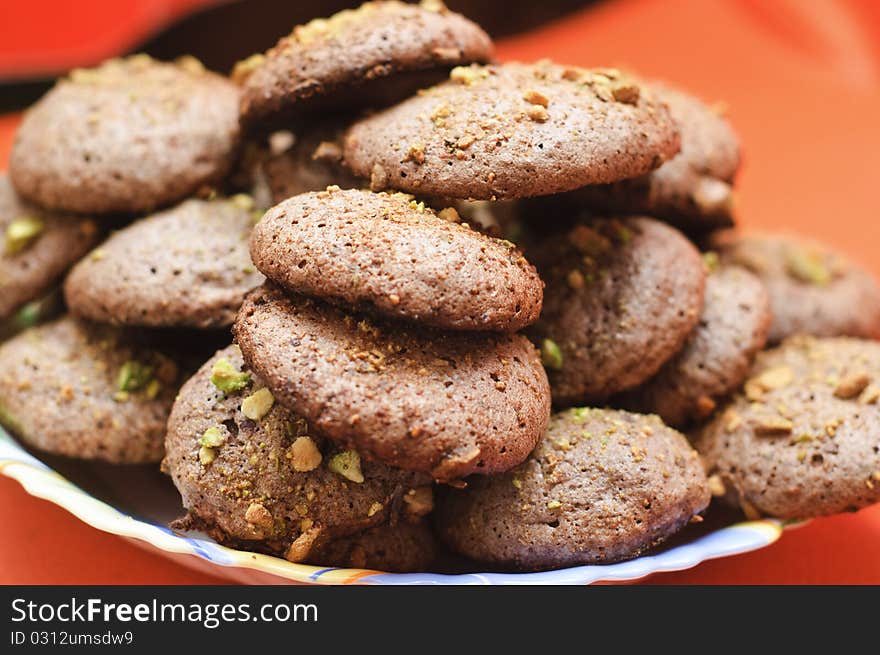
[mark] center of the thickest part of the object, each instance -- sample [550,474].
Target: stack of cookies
[473,305]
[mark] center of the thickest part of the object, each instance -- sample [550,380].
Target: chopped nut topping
[551,354]
[190,64]
[450,214]
[534,97]
[243,69]
[716,486]
[375,508]
[133,376]
[225,377]
[21,233]
[554,504]
[538,114]
[258,404]
[419,501]
[378,178]
[705,406]
[302,546]
[348,465]
[852,385]
[206,455]
[808,266]
[575,279]
[870,395]
[771,425]
[242,201]
[416,153]
[436,6]
[327,151]
[711,262]
[213,437]
[468,75]
[773,378]
[304,455]
[751,512]
[257,515]
[626,93]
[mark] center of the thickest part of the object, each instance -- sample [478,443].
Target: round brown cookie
[86,391]
[603,485]
[253,472]
[129,136]
[310,161]
[514,131]
[717,355]
[401,548]
[813,290]
[622,296]
[37,248]
[803,438]
[379,52]
[185,266]
[693,190]
[389,254]
[446,403]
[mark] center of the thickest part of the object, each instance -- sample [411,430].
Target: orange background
[802,83]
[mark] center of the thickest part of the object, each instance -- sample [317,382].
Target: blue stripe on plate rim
[41,481]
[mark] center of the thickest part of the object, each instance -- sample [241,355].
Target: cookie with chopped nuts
[373,55]
[388,254]
[803,437]
[401,548]
[717,355]
[602,486]
[37,248]
[622,296]
[308,161]
[132,135]
[252,472]
[445,403]
[185,266]
[694,189]
[513,131]
[813,290]
[86,391]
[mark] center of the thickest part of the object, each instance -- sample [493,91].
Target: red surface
[802,81]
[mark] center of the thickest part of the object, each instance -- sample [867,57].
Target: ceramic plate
[138,502]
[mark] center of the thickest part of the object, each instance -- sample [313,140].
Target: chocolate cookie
[803,438]
[185,266]
[813,290]
[717,355]
[309,161]
[86,391]
[37,248]
[514,131]
[693,190]
[129,136]
[450,404]
[375,54]
[621,298]
[252,472]
[389,254]
[401,548]
[603,485]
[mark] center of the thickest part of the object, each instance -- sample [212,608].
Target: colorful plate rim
[41,481]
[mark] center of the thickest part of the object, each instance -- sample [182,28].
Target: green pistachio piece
[348,465]
[21,233]
[133,376]
[551,354]
[225,377]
